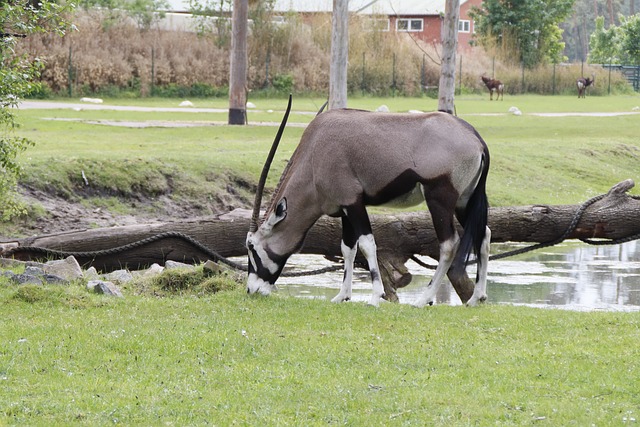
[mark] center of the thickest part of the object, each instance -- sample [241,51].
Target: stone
[68,269]
[52,279]
[382,109]
[154,270]
[104,287]
[119,276]
[91,274]
[175,264]
[211,268]
[33,270]
[27,279]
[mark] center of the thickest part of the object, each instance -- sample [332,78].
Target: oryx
[348,159]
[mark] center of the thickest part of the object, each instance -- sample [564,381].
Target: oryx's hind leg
[349,248]
[357,233]
[441,203]
[480,289]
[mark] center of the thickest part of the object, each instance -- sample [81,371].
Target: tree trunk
[339,54]
[447,86]
[398,237]
[238,65]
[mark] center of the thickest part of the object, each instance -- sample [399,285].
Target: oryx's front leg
[356,233]
[349,255]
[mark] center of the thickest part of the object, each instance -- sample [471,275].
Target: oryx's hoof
[341,298]
[375,300]
[474,300]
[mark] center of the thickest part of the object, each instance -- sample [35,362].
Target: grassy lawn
[68,357]
[553,160]
[229,359]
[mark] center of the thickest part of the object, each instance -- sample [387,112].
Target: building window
[405,24]
[464,26]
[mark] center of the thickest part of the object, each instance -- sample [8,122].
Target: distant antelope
[492,85]
[583,84]
[348,159]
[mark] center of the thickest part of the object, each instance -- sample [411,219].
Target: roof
[365,7]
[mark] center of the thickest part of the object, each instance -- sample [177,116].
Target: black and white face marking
[265,265]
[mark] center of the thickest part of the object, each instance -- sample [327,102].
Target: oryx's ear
[278,214]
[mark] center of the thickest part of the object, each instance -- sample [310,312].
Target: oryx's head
[265,261]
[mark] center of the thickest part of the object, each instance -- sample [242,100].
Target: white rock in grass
[91,100]
[251,105]
[382,109]
[186,104]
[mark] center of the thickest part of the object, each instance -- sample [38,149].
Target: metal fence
[630,72]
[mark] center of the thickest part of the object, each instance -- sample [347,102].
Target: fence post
[70,73]
[609,90]
[267,62]
[393,85]
[423,76]
[153,70]
[363,74]
[460,77]
[553,84]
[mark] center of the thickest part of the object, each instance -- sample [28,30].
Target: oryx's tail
[476,217]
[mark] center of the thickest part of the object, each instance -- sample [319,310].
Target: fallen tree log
[613,216]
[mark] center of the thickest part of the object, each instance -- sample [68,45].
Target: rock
[415,112]
[33,270]
[119,276]
[175,264]
[27,279]
[211,268]
[11,263]
[382,109]
[91,274]
[186,104]
[91,100]
[104,287]
[51,279]
[251,105]
[154,270]
[68,269]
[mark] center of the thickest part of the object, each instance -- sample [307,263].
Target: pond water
[572,275]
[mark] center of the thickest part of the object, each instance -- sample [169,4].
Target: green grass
[231,359]
[172,353]
[552,160]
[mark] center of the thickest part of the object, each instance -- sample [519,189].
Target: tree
[526,30]
[446,88]
[630,39]
[239,64]
[604,44]
[339,54]
[616,44]
[19,20]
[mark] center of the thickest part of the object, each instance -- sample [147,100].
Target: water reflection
[572,275]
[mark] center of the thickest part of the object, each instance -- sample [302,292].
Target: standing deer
[348,159]
[492,85]
[583,84]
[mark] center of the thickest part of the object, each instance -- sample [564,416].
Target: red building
[421,18]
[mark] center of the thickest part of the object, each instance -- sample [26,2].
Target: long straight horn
[265,171]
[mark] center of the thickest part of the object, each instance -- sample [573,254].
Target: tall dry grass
[117,56]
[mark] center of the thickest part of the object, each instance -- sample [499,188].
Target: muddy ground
[61,215]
